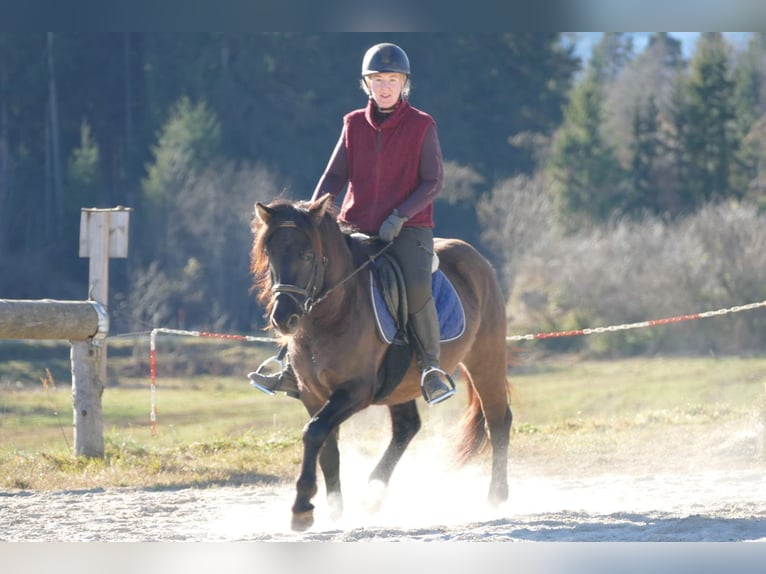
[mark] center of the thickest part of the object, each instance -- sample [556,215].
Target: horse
[306,268]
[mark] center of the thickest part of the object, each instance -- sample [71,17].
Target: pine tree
[706,118]
[583,165]
[750,103]
[646,148]
[611,55]
[636,118]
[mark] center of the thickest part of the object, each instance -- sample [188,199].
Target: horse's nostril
[292,323]
[286,326]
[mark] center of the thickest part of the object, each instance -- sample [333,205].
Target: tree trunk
[49,198]
[5,168]
[58,186]
[128,114]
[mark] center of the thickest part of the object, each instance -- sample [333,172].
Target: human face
[386,88]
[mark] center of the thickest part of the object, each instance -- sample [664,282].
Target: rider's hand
[391,226]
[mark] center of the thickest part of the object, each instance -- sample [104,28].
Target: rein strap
[310,303]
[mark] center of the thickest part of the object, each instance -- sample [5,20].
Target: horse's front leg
[341,405]
[329,461]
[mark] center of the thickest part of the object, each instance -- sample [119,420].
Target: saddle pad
[448,307]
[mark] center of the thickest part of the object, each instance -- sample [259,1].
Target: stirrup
[276,378]
[440,398]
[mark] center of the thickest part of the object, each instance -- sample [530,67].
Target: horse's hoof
[302,521]
[335,502]
[376,493]
[497,496]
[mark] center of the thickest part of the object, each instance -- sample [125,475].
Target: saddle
[389,304]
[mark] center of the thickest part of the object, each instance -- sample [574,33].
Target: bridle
[306,297]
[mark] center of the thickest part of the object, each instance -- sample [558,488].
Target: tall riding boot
[281,380]
[435,384]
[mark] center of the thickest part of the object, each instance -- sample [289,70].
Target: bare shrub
[635,271]
[517,217]
[460,183]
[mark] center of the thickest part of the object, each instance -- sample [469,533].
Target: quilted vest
[383,163]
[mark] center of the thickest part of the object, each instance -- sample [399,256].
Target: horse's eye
[306,254]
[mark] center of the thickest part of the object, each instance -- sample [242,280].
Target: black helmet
[385,58]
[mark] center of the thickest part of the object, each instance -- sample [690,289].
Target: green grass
[640,414]
[215,429]
[219,431]
[570,389]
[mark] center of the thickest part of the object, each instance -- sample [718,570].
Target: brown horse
[306,268]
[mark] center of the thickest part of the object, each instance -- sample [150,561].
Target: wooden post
[103,234]
[87,389]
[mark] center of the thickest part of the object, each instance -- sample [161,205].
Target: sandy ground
[710,499]
[721,506]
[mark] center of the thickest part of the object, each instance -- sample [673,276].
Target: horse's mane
[329,238]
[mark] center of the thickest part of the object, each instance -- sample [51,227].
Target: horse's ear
[263,212]
[318,208]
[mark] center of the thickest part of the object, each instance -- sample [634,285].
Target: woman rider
[389,155]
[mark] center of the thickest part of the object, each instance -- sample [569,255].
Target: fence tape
[638,325]
[153,358]
[527,337]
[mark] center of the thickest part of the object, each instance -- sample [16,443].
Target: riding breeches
[414,250]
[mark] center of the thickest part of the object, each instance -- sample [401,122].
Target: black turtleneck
[381,115]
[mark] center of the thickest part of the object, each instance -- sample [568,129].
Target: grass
[641,414]
[631,386]
[213,428]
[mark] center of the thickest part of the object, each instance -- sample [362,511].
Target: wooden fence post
[103,234]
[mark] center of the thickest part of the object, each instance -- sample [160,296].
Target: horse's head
[288,259]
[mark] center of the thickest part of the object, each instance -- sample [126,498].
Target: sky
[587,40]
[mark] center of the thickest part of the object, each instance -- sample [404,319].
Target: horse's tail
[473,437]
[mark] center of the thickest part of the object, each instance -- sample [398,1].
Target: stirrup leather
[446,376]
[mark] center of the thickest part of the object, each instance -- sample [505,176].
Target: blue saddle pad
[448,307]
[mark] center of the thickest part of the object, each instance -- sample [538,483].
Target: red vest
[383,163]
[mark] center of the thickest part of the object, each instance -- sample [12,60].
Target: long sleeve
[431,173]
[335,176]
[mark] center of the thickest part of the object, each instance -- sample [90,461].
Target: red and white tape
[527,337]
[638,325]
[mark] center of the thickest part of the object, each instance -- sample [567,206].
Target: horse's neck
[344,279]
[361,247]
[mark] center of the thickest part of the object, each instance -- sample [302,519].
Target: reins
[317,277]
[310,303]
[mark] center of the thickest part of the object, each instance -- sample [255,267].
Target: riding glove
[391,226]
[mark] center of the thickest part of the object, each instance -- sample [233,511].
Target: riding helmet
[385,58]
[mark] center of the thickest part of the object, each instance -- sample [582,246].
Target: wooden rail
[49,319]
